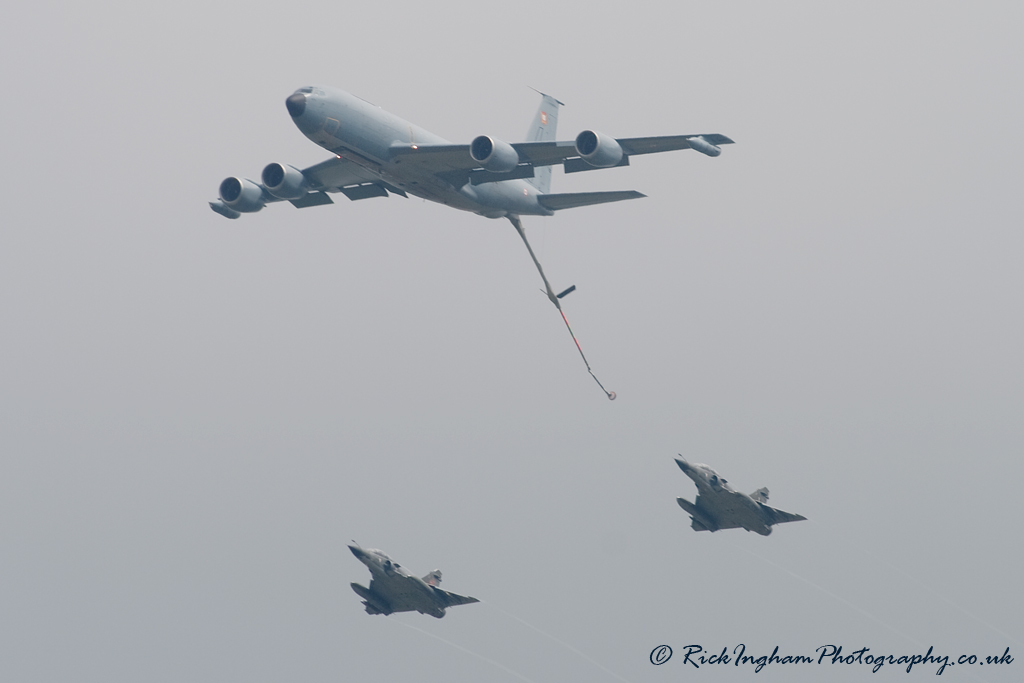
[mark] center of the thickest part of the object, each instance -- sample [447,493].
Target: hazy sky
[197,414]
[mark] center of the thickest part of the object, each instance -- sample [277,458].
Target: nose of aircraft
[358,552]
[296,104]
[683,465]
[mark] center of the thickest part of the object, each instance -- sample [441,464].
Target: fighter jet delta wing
[774,516]
[433,579]
[779,516]
[452,599]
[701,518]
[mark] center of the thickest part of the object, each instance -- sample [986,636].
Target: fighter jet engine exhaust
[493,155]
[598,149]
[284,182]
[241,195]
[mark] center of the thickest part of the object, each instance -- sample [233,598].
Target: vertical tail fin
[543,129]
[433,578]
[760,495]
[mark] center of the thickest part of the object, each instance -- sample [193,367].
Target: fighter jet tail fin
[760,495]
[543,129]
[433,578]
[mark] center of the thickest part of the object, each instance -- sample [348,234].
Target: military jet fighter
[718,506]
[394,589]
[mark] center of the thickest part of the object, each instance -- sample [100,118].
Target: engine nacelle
[284,182]
[241,195]
[493,154]
[703,146]
[598,149]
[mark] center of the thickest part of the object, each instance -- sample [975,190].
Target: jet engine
[598,149]
[284,182]
[241,195]
[493,154]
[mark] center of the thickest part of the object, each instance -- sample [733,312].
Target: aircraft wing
[779,516]
[438,158]
[667,143]
[455,159]
[549,153]
[701,502]
[391,590]
[335,173]
[451,599]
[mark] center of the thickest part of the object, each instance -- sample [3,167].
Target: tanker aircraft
[377,154]
[718,506]
[394,589]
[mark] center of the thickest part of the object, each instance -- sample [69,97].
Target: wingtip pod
[703,146]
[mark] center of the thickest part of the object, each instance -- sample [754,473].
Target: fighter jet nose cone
[356,551]
[296,104]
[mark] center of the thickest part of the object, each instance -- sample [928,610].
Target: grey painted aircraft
[394,589]
[377,154]
[718,506]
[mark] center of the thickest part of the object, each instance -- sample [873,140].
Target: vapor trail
[846,602]
[940,596]
[841,599]
[466,650]
[560,642]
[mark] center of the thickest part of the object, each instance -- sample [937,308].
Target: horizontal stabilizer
[571,200]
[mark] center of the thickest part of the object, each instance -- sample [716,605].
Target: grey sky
[196,414]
